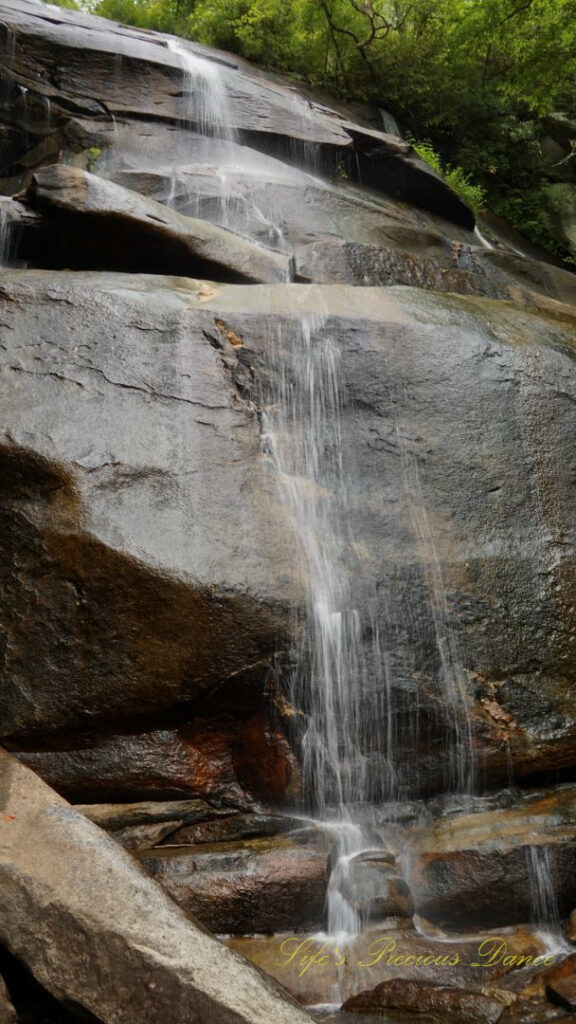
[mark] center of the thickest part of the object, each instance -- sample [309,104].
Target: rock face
[486,870]
[93,224]
[254,885]
[173,579]
[111,943]
[107,73]
[7,1012]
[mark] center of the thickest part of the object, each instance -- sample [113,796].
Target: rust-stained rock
[220,756]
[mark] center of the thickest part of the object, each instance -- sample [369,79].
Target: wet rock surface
[435,1002]
[94,224]
[482,870]
[107,73]
[318,970]
[254,885]
[111,942]
[152,589]
[129,537]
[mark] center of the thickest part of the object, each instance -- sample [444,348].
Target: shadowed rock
[97,933]
[93,224]
[7,1011]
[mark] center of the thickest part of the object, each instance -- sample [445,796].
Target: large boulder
[173,580]
[100,935]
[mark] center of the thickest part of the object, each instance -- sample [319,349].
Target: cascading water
[339,652]
[343,678]
[545,911]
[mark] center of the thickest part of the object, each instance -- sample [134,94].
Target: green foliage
[70,5]
[92,156]
[455,177]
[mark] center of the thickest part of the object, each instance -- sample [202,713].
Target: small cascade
[206,101]
[343,679]
[9,235]
[483,241]
[545,913]
[338,670]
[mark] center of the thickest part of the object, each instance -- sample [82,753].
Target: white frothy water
[206,101]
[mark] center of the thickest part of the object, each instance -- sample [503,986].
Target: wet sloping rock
[487,870]
[106,72]
[111,942]
[172,570]
[269,884]
[94,224]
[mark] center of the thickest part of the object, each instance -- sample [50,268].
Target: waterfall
[205,97]
[339,666]
[342,680]
[545,911]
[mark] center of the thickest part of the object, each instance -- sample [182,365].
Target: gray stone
[97,933]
